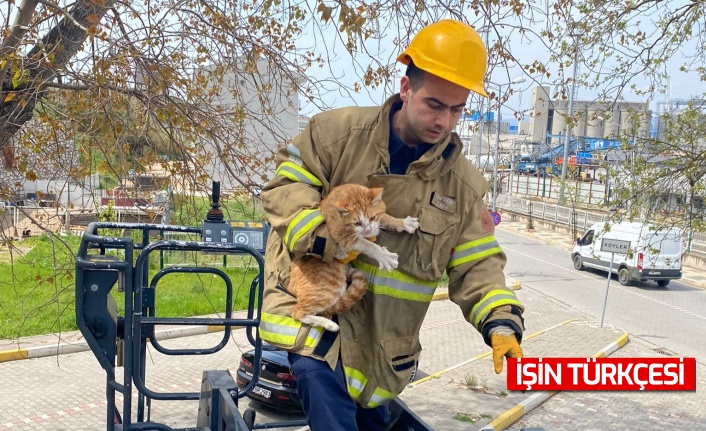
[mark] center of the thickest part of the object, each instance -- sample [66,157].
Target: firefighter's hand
[504,344]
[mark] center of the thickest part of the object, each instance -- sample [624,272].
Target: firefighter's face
[432,111]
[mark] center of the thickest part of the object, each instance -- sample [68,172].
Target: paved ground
[67,391]
[470,396]
[634,411]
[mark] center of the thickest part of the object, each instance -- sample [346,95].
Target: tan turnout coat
[378,340]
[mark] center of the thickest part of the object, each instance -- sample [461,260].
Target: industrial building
[592,119]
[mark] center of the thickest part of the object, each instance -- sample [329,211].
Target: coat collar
[432,164]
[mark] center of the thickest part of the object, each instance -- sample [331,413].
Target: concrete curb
[512,415]
[62,348]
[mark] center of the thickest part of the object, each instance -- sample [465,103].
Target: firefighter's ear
[405,88]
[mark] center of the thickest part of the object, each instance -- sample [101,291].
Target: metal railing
[581,219]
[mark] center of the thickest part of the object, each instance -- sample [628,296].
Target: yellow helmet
[450,50]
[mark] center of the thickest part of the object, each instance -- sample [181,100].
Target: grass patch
[191,211]
[471,381]
[463,418]
[37,290]
[8,254]
[37,286]
[471,418]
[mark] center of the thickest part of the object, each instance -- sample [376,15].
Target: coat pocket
[402,357]
[436,238]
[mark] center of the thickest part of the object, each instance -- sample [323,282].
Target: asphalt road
[672,318]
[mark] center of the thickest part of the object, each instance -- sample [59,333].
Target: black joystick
[215,215]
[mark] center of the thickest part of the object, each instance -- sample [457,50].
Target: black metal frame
[105,331]
[96,317]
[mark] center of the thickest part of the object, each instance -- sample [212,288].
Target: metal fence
[582,219]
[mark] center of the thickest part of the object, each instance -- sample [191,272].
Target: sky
[683,85]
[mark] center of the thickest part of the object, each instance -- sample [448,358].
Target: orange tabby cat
[354,215]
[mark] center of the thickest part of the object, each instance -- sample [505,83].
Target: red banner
[601,374]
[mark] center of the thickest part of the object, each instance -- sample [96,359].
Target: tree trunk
[63,41]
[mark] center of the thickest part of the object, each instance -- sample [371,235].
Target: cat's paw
[325,323]
[387,260]
[411,224]
[331,326]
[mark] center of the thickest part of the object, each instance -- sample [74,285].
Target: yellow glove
[504,345]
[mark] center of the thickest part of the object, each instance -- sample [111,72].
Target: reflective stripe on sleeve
[355,381]
[297,174]
[294,154]
[396,284]
[380,397]
[493,299]
[474,250]
[304,222]
[283,330]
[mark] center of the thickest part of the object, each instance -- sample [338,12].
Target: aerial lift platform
[108,265]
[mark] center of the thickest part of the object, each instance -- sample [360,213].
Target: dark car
[276,386]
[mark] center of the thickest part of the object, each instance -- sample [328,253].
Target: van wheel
[578,262]
[624,276]
[662,283]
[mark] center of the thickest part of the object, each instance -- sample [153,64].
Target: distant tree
[663,179]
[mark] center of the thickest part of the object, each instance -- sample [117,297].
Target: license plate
[262,392]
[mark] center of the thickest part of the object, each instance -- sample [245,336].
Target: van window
[587,238]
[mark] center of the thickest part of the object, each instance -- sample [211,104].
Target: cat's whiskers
[352,237]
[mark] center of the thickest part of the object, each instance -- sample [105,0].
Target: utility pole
[497,134]
[569,127]
[497,151]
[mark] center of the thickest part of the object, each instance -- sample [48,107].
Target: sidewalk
[690,274]
[443,399]
[480,400]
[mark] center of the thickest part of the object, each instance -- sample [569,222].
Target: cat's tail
[355,291]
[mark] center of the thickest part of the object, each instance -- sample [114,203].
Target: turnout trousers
[326,402]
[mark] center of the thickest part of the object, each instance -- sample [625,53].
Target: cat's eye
[372,218]
[358,223]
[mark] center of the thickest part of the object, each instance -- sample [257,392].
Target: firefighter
[346,379]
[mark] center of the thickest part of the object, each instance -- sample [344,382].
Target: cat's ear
[375,194]
[341,211]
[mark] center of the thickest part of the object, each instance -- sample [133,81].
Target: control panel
[215,229]
[249,233]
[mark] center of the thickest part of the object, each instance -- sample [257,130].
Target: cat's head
[353,211]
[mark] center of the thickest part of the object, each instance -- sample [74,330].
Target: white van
[652,255]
